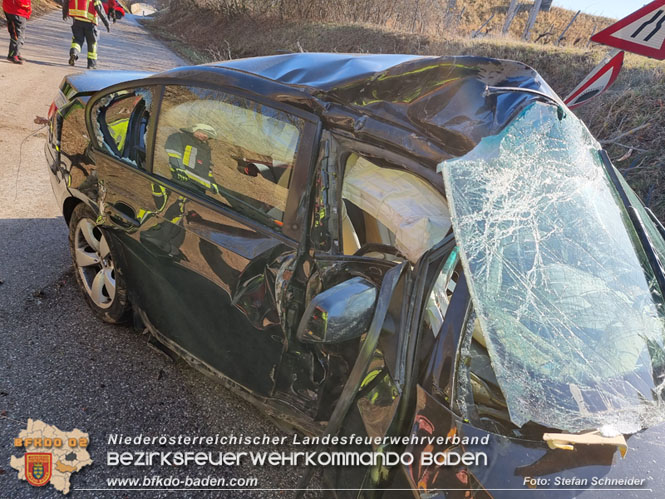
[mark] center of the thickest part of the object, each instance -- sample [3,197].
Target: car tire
[95,268]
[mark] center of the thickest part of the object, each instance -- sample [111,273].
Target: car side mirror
[340,313]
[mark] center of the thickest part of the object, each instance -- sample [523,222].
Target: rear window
[121,122]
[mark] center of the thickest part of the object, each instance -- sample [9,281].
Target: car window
[120,121]
[233,150]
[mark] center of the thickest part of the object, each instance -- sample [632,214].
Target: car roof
[319,70]
[431,107]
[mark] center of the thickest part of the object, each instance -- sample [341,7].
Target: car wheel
[96,271]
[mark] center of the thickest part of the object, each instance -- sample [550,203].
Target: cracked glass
[568,305]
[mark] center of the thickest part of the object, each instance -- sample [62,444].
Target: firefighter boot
[92,64]
[14,57]
[73,56]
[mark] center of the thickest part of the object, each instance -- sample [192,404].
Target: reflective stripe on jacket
[191,156]
[84,10]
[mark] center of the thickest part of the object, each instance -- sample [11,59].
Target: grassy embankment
[41,7]
[628,119]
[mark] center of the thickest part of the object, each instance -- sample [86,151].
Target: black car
[419,256]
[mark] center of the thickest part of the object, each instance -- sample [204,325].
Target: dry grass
[635,99]
[41,7]
[426,17]
[548,27]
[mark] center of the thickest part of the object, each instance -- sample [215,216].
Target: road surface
[32,249]
[57,362]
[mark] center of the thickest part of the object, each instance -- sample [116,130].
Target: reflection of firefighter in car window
[190,157]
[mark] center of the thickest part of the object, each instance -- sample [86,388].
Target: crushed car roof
[319,70]
[442,102]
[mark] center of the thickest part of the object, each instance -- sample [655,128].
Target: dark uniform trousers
[16,27]
[83,30]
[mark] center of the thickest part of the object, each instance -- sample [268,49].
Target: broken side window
[120,121]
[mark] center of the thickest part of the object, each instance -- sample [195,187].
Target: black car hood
[511,460]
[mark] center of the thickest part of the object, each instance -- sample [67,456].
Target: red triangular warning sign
[642,32]
[597,81]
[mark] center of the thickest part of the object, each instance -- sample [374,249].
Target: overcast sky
[608,8]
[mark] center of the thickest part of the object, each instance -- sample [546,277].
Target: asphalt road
[58,363]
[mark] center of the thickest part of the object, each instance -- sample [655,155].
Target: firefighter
[85,14]
[114,10]
[17,13]
[190,157]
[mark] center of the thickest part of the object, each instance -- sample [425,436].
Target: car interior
[378,204]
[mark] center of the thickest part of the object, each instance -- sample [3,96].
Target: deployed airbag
[415,212]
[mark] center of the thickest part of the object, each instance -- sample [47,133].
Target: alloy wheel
[94,263]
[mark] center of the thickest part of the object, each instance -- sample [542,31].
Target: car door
[389,225]
[381,394]
[204,233]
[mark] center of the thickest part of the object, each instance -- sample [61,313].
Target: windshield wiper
[635,218]
[489,90]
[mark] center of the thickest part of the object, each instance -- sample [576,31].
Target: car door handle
[126,215]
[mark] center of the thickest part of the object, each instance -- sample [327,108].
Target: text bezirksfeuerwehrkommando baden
[348,457]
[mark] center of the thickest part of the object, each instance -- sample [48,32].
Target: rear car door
[205,231]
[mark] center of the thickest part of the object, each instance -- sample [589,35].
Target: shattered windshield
[569,307]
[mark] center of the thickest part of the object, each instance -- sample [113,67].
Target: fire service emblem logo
[51,456]
[38,468]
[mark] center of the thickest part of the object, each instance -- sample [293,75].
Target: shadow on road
[28,268]
[42,63]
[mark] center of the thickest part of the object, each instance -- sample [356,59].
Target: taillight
[52,110]
[58,103]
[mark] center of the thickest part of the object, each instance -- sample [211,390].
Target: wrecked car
[381,245]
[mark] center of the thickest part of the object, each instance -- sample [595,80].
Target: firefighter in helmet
[85,14]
